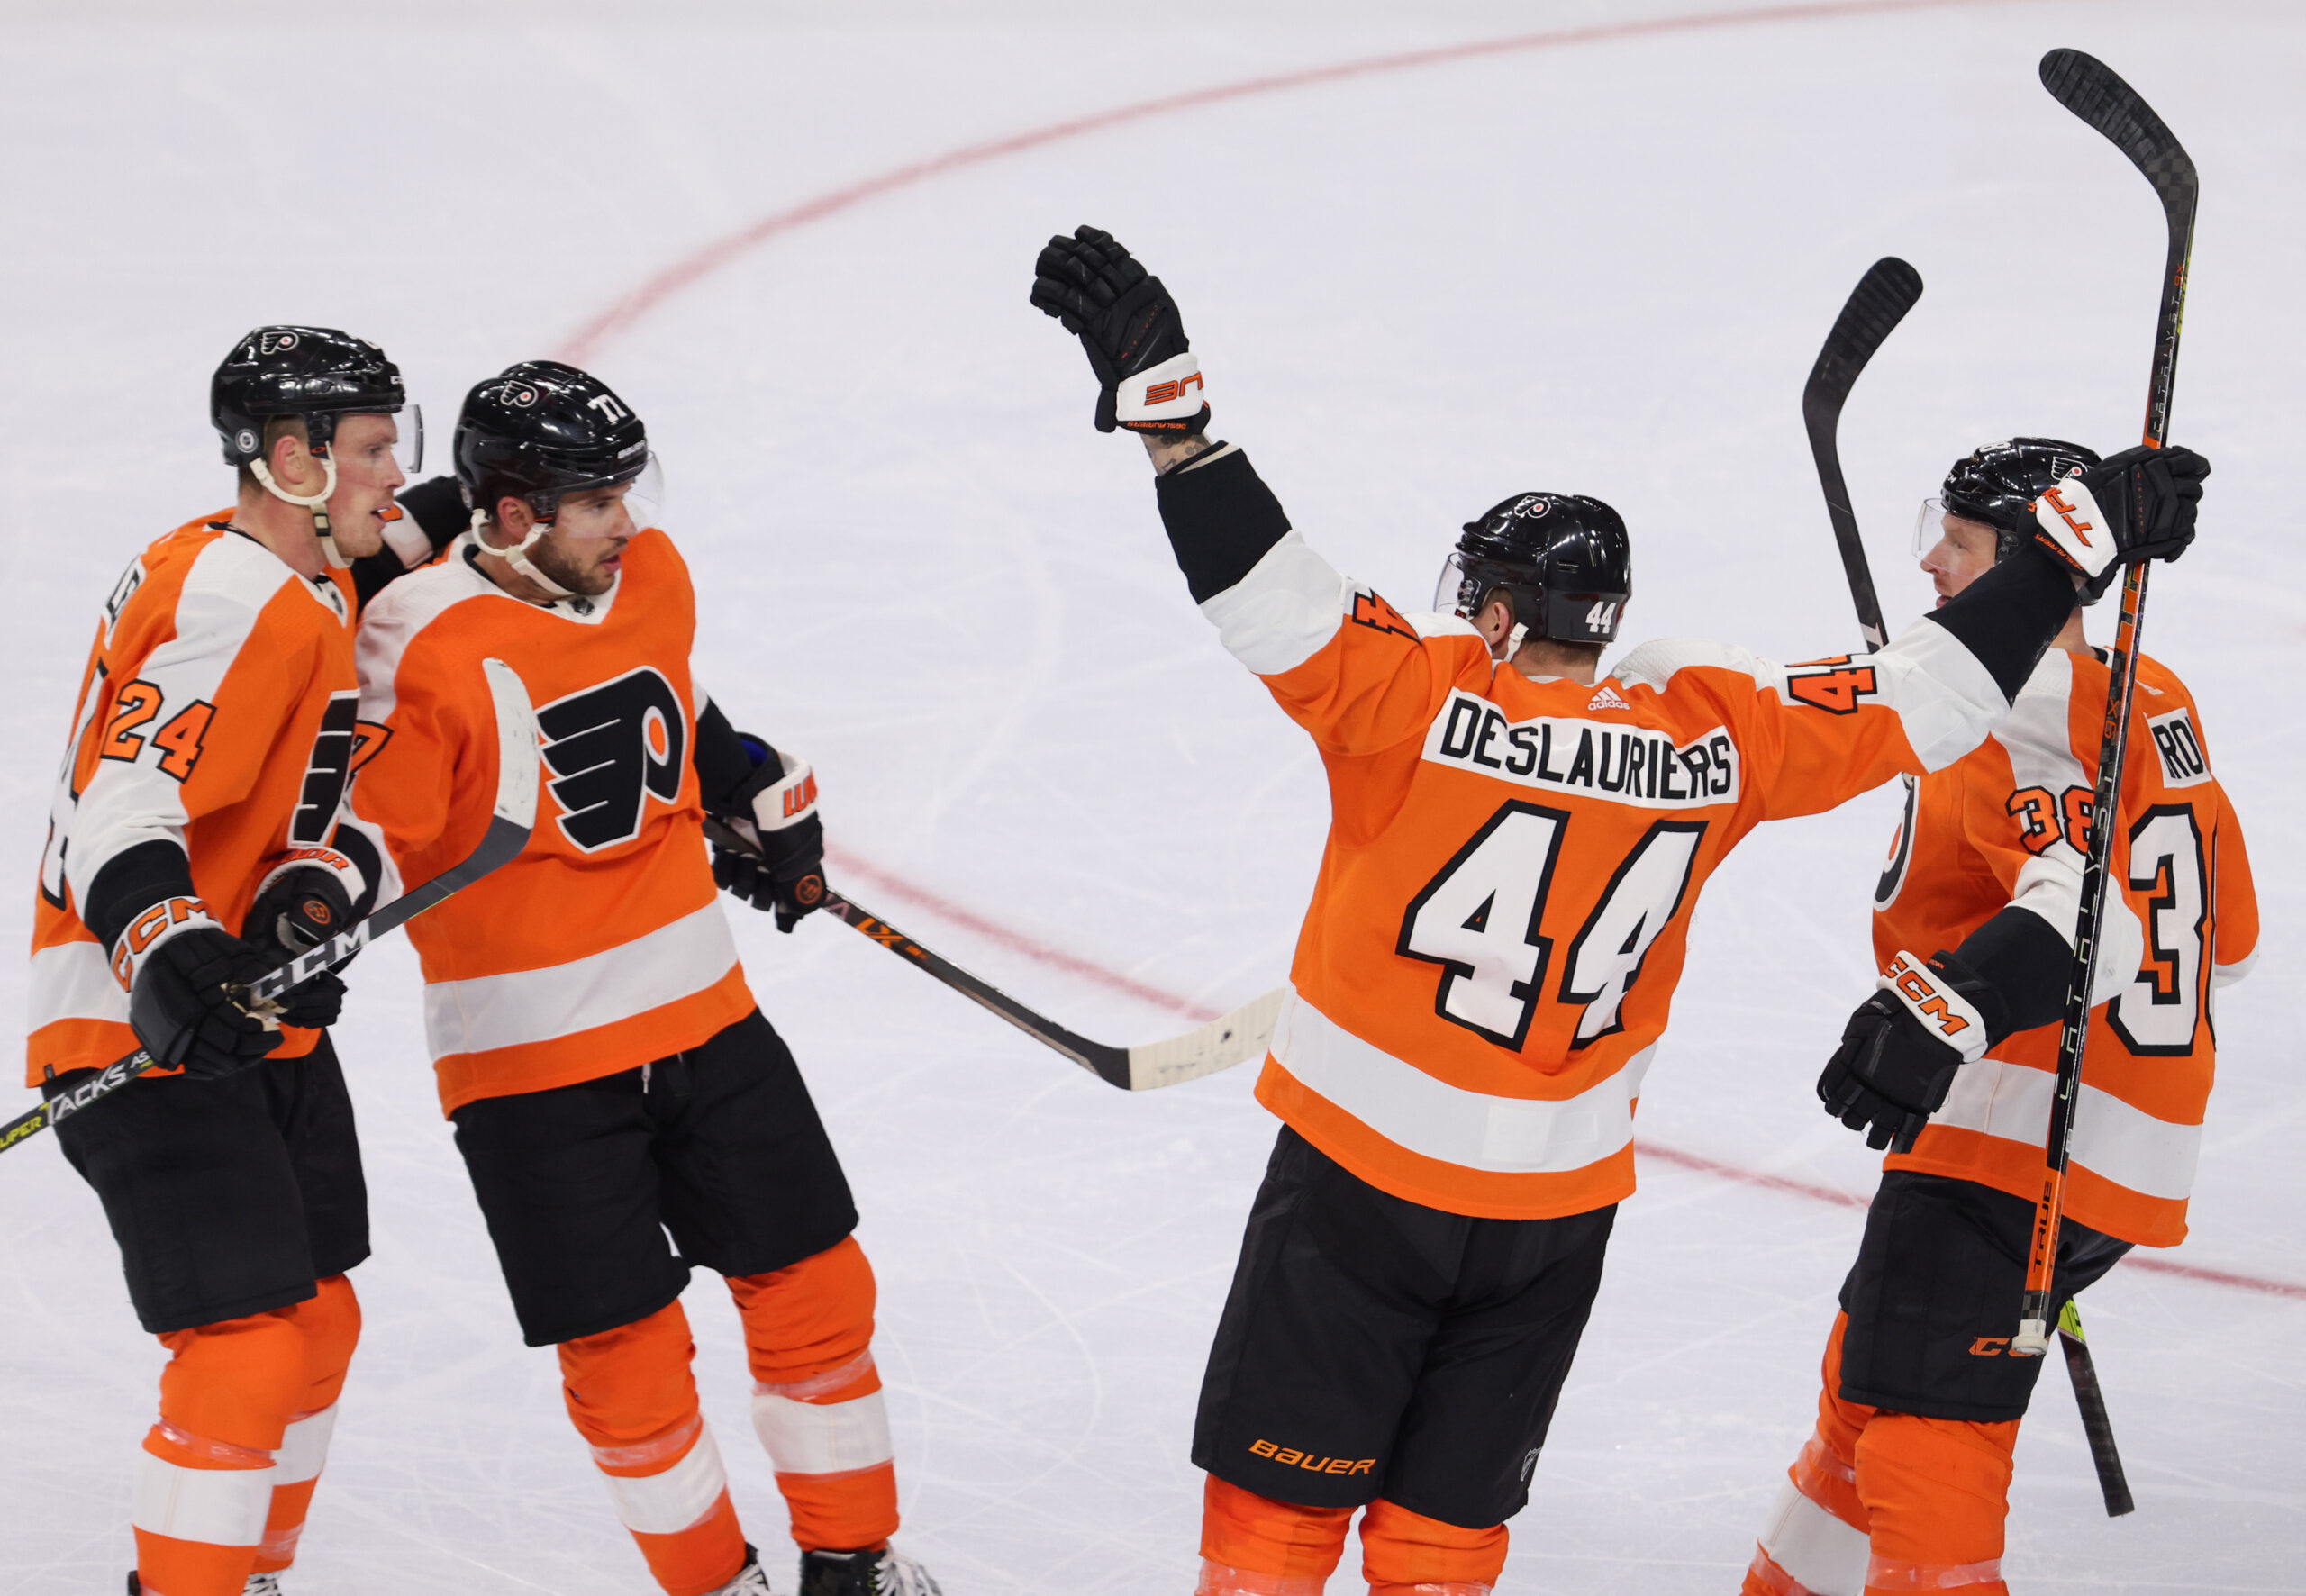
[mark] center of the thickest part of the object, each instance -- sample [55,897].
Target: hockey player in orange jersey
[1515,846]
[188,846]
[1905,1485]
[608,1073]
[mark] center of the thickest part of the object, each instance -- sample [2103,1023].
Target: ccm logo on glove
[145,929]
[1938,1009]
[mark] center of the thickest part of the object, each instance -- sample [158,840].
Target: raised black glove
[178,1006]
[1130,326]
[302,903]
[1899,1050]
[2138,505]
[782,866]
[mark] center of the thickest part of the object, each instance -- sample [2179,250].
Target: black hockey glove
[178,1004]
[1130,326]
[303,902]
[2138,505]
[1899,1051]
[782,866]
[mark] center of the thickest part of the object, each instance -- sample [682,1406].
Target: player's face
[1963,553]
[585,548]
[367,476]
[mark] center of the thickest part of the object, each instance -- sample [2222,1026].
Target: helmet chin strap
[1513,642]
[517,557]
[316,503]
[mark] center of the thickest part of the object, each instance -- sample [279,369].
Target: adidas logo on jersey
[1607,698]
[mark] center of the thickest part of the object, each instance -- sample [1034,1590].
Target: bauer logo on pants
[1311,1462]
[610,748]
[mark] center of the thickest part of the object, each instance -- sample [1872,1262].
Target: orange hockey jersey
[601,946]
[2010,823]
[217,712]
[1504,899]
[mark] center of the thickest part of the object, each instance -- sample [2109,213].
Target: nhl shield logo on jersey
[610,748]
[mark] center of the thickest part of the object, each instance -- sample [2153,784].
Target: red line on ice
[693,268]
[684,273]
[848,865]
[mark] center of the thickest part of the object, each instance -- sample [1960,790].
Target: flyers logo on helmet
[610,749]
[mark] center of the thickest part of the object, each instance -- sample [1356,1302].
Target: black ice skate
[884,1572]
[751,1579]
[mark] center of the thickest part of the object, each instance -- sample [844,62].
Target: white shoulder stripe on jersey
[483,1013]
[2037,734]
[1284,611]
[2125,1145]
[394,617]
[130,802]
[1945,698]
[1430,1117]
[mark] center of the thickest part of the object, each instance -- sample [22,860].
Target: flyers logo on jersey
[610,749]
[1619,764]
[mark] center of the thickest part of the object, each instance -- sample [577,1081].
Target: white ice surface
[1603,267]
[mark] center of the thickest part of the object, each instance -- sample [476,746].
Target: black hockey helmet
[1562,560]
[315,374]
[539,430]
[1997,485]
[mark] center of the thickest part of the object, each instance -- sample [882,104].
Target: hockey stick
[2089,89]
[2088,1396]
[1224,1042]
[1888,290]
[510,822]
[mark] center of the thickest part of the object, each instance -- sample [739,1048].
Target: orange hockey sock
[1937,1492]
[330,1323]
[1815,1542]
[204,1482]
[1253,1546]
[817,1404]
[632,1397]
[1406,1554]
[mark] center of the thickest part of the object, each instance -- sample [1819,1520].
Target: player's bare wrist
[1167,451]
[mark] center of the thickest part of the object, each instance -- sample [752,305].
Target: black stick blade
[1888,290]
[2095,93]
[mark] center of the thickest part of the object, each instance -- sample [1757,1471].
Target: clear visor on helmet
[614,507]
[1458,591]
[1929,525]
[365,441]
[408,452]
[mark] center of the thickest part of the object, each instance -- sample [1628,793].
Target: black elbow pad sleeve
[2007,617]
[1220,518]
[2026,963]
